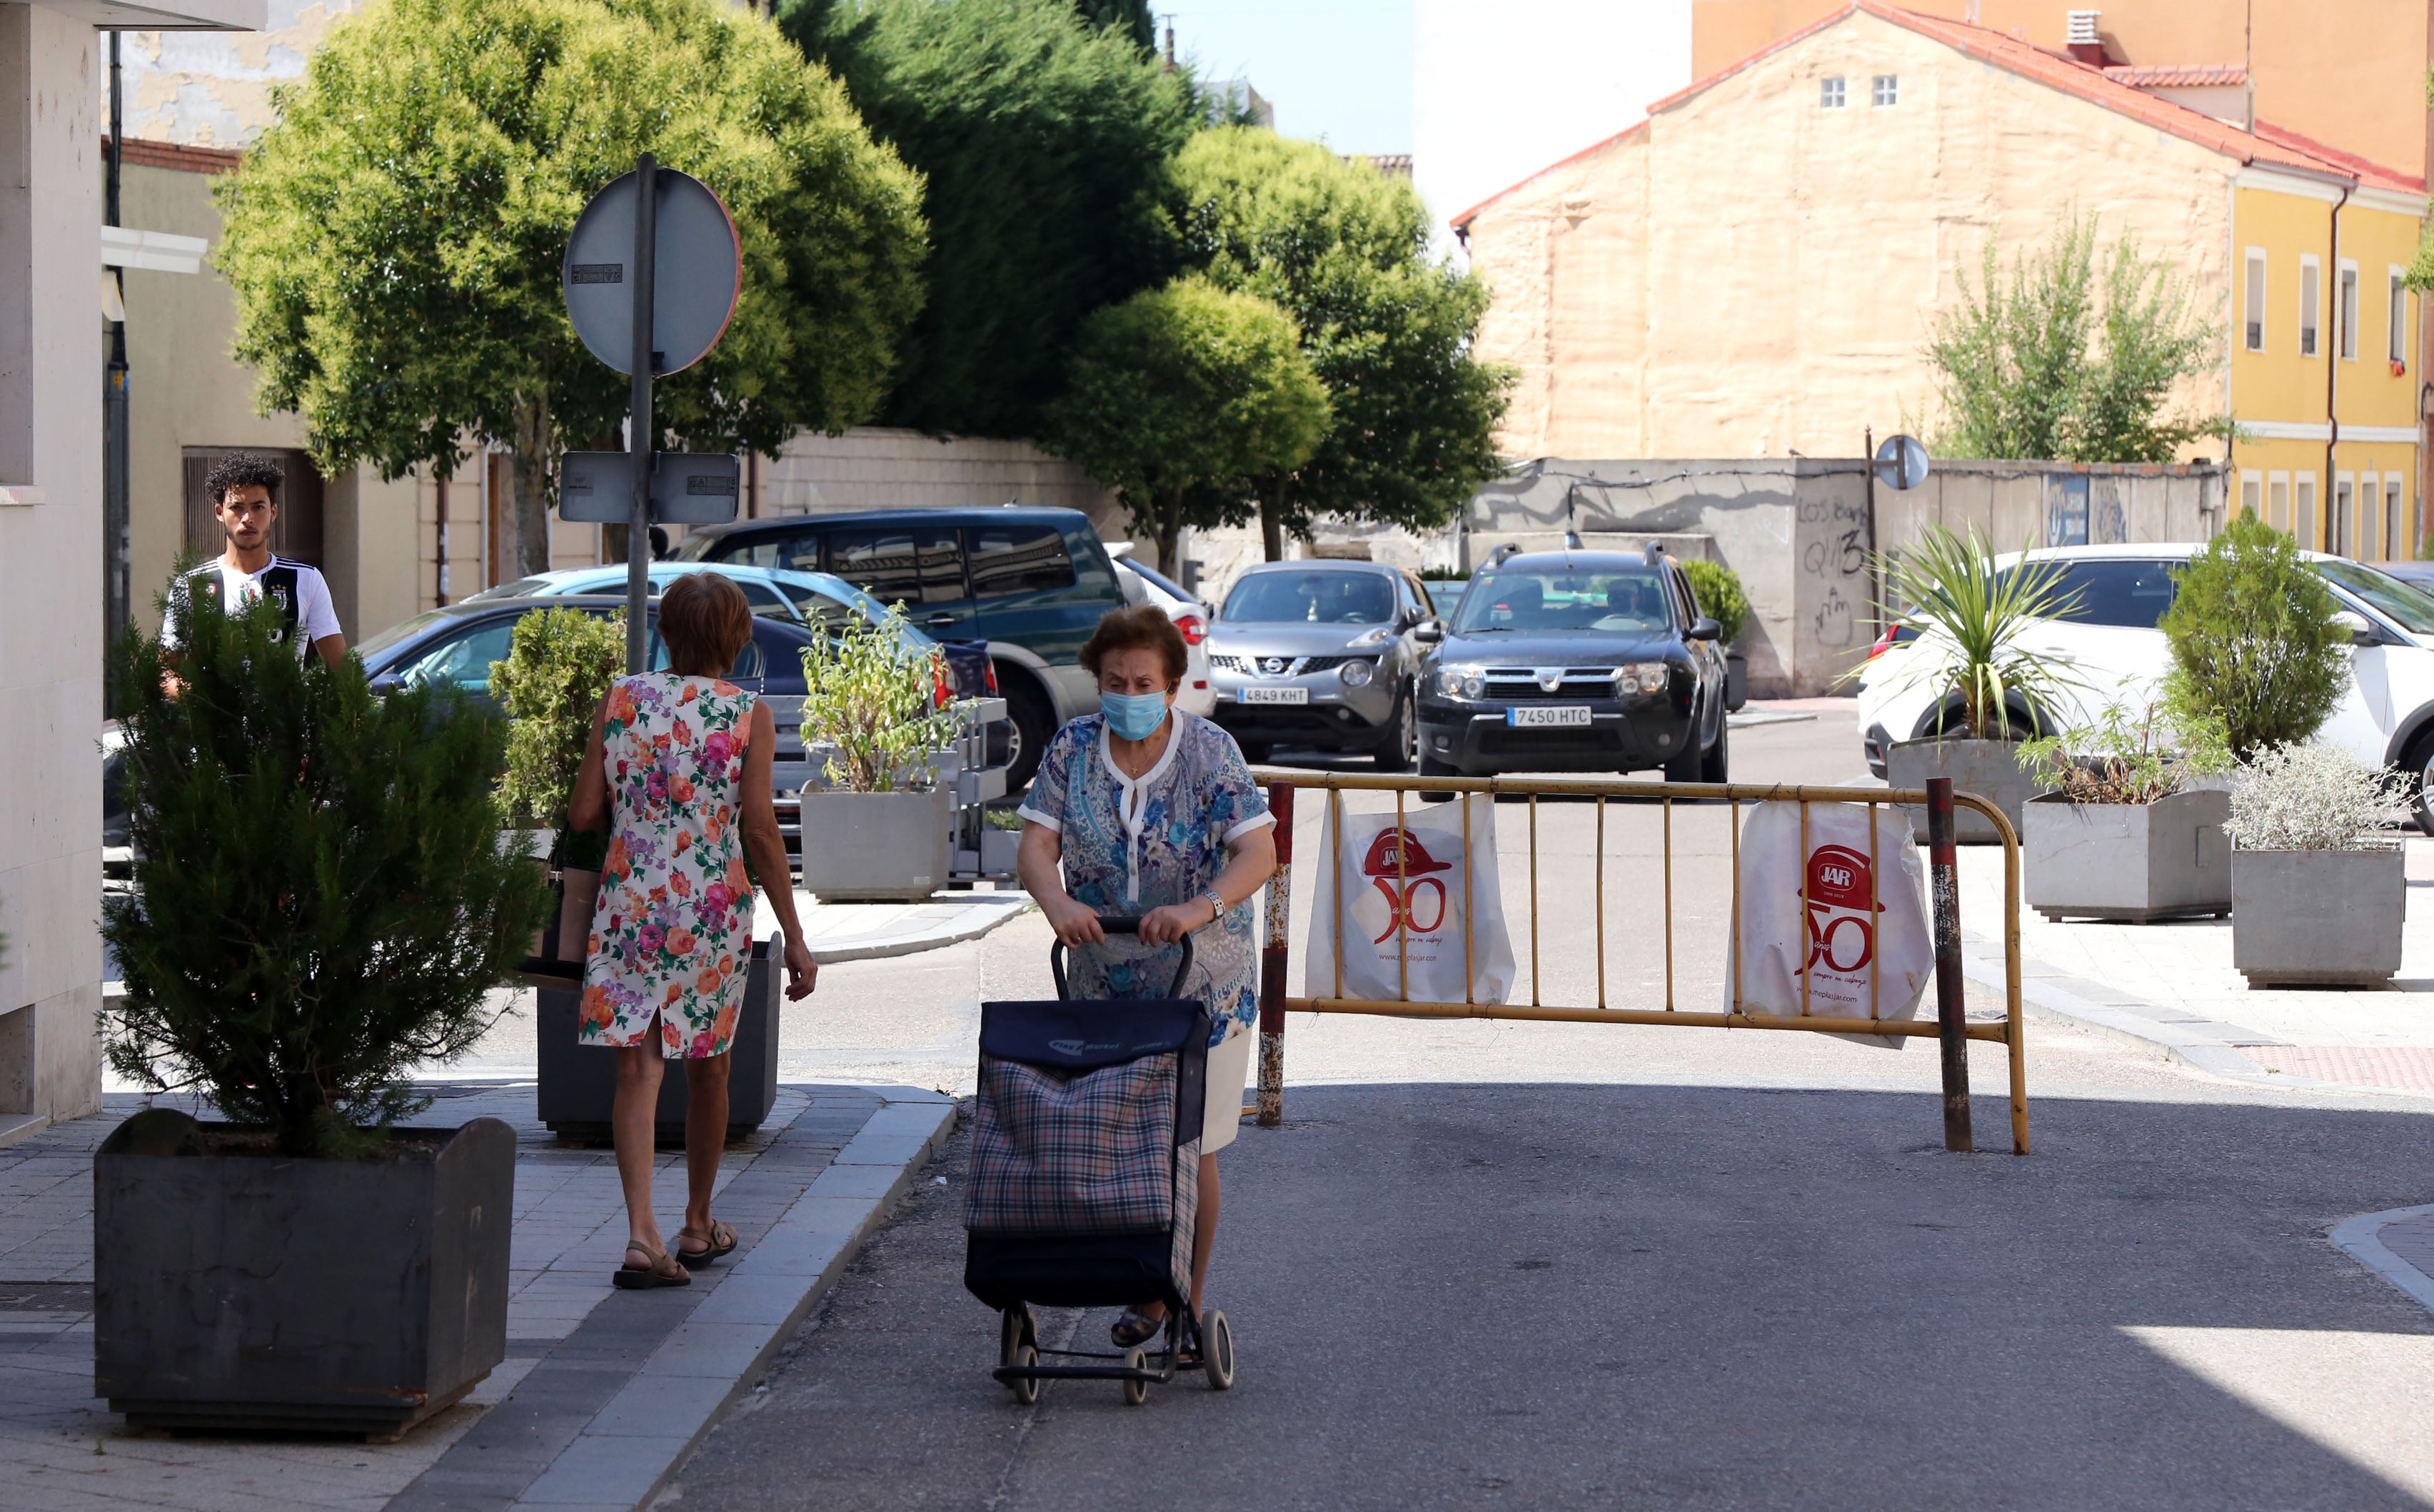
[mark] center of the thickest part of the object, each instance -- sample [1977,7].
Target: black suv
[1576,661]
[1032,582]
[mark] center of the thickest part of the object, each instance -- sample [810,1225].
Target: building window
[2302,523]
[2251,497]
[2395,540]
[1829,95]
[2253,297]
[1886,89]
[2311,279]
[2396,319]
[2277,500]
[2348,312]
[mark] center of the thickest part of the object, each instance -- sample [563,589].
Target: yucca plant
[1971,618]
[320,900]
[876,705]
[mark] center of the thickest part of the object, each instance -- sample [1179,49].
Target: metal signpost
[652,273]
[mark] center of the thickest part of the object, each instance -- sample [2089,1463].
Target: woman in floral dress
[682,757]
[1147,811]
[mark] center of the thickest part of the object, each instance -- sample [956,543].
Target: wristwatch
[1217,902]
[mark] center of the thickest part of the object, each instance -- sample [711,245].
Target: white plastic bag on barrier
[1423,878]
[1832,938]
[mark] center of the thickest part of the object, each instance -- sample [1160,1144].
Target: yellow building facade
[1755,269]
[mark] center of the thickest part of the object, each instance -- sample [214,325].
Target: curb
[625,1455]
[974,922]
[2361,1239]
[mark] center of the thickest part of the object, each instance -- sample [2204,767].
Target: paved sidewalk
[601,1391]
[2172,984]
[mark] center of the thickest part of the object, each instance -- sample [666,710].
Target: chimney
[2083,42]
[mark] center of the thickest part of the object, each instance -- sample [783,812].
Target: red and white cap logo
[1414,856]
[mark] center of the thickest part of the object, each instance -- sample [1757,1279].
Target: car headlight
[1642,677]
[1460,681]
[1382,635]
[1357,672]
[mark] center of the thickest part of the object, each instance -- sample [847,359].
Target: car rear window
[2131,593]
[1017,559]
[1310,598]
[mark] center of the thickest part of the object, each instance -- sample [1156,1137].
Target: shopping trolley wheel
[1217,1350]
[1135,1390]
[1025,1389]
[1015,1327]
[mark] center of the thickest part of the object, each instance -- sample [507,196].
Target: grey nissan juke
[1322,655]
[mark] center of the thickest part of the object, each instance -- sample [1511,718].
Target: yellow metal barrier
[1949,1025]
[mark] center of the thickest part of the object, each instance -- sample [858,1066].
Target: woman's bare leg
[634,1124]
[705,1134]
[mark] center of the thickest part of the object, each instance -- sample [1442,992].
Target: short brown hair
[706,619]
[1142,625]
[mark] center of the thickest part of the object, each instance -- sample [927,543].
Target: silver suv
[1320,655]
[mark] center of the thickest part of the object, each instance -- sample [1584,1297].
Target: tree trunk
[534,443]
[1272,520]
[1170,533]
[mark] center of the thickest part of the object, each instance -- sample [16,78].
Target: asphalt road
[1540,1266]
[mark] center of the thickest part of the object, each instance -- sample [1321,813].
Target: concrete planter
[1989,768]
[876,846]
[578,1083]
[2317,918]
[1735,681]
[2133,862]
[235,1289]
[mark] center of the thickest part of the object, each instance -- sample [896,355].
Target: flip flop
[662,1271]
[719,1242]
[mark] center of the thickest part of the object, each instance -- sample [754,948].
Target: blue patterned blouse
[1134,845]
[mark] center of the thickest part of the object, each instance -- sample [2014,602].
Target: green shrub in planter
[1720,594]
[2253,640]
[320,900]
[876,707]
[557,669]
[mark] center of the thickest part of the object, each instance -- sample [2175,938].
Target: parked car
[1032,582]
[1322,655]
[1577,662]
[2116,652]
[457,645]
[1191,617]
[1446,593]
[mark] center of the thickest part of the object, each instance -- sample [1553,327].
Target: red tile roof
[2176,75]
[2267,146]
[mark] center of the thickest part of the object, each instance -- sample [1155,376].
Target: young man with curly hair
[244,490]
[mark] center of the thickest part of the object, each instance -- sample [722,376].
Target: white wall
[1502,88]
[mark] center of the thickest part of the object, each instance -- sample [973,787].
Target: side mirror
[2362,631]
[1705,629]
[1408,618]
[388,682]
[1431,633]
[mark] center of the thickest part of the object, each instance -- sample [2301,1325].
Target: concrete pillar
[50,565]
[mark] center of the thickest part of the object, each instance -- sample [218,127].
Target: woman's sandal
[717,1243]
[662,1271]
[1134,1329]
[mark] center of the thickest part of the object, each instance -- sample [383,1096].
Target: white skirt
[1229,1069]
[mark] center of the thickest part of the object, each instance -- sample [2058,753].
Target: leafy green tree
[2054,362]
[1044,139]
[1128,18]
[2253,640]
[320,900]
[394,240]
[1344,249]
[1180,394]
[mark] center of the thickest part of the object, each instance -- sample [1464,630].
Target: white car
[1191,616]
[2116,653]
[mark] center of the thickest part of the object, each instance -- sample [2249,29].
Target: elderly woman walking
[1145,810]
[680,760]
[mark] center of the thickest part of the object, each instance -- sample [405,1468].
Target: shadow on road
[1600,1295]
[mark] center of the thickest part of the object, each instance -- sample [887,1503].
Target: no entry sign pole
[640,437]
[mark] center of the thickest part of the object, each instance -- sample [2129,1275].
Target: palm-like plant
[1971,618]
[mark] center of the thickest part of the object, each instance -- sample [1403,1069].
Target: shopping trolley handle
[1119,926]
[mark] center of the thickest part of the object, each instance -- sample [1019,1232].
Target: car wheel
[1035,723]
[1430,766]
[1686,765]
[1717,765]
[1401,745]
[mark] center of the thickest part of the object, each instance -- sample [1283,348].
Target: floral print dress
[671,934]
[1131,846]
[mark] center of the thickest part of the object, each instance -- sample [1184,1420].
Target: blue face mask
[1133,715]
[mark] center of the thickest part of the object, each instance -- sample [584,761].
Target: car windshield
[403,629]
[1628,601]
[521,588]
[1317,597]
[2406,606]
